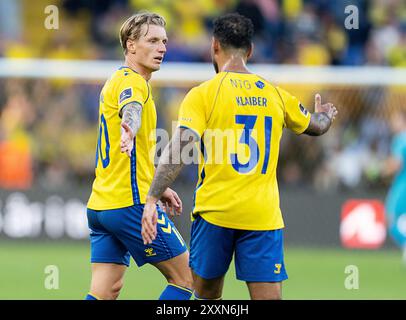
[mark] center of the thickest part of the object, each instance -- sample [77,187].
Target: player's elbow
[315,131]
[319,124]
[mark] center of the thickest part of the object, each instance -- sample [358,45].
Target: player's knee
[115,289]
[108,292]
[211,289]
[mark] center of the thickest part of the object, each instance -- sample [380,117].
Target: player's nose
[162,48]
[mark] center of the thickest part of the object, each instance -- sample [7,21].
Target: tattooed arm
[130,124]
[169,167]
[322,119]
[319,124]
[170,162]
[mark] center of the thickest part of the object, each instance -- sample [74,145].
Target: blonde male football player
[236,208]
[124,172]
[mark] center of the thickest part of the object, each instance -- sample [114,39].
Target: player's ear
[250,51]
[130,46]
[215,44]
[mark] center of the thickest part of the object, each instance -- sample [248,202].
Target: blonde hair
[131,28]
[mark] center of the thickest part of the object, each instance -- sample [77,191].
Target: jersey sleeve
[132,88]
[192,113]
[297,117]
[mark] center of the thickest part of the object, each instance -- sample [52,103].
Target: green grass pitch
[313,274]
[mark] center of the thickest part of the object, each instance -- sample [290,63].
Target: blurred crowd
[48,128]
[308,32]
[47,132]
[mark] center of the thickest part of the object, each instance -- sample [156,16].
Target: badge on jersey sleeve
[125,94]
[303,109]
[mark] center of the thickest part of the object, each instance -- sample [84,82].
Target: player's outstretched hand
[149,222]
[328,108]
[127,139]
[172,203]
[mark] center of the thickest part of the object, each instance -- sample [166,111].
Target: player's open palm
[127,139]
[149,222]
[328,108]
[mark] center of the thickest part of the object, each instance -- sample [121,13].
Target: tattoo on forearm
[319,124]
[132,116]
[170,163]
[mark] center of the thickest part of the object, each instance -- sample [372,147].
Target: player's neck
[143,72]
[233,63]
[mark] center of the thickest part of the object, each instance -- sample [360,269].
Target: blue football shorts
[258,254]
[115,235]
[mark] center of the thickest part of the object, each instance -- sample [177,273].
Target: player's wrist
[151,200]
[327,115]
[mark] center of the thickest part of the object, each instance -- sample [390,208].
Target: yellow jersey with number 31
[122,181]
[239,118]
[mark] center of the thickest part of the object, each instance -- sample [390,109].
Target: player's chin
[155,66]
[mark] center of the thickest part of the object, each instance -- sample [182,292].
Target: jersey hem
[304,129]
[113,206]
[240,227]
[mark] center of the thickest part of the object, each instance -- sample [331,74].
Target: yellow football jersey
[121,181]
[239,118]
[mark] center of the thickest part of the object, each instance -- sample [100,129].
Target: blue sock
[174,292]
[90,297]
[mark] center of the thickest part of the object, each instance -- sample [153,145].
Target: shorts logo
[125,94]
[303,109]
[162,221]
[149,252]
[169,229]
[278,267]
[260,84]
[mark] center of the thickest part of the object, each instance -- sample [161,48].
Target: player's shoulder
[127,79]
[124,82]
[209,86]
[270,87]
[265,84]
[284,95]
[126,74]
[214,81]
[281,91]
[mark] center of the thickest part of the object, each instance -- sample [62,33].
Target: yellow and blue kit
[237,188]
[121,181]
[121,185]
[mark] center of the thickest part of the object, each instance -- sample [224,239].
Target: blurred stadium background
[49,87]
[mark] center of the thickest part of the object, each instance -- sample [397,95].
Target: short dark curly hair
[233,30]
